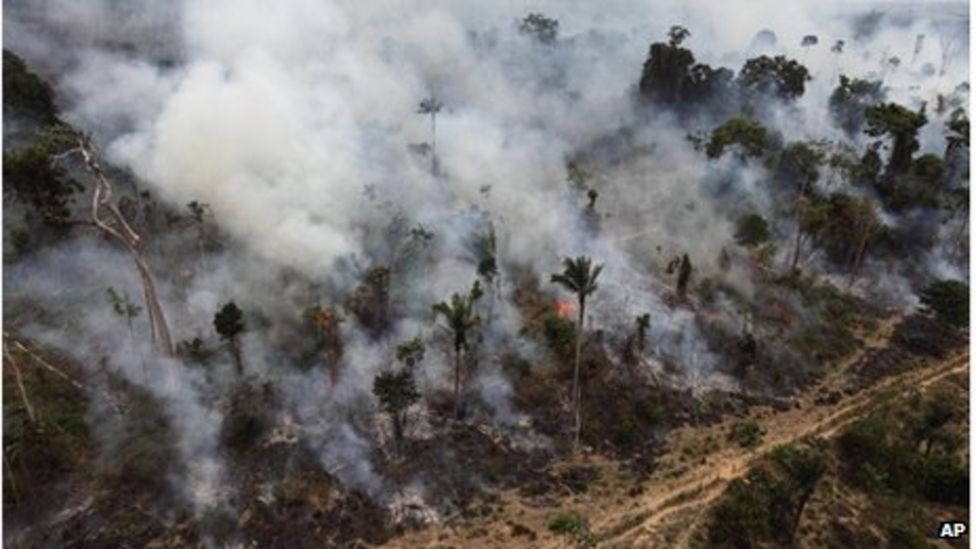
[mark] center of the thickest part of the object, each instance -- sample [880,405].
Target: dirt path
[702,485]
[698,466]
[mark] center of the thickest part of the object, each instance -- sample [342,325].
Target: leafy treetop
[229,321]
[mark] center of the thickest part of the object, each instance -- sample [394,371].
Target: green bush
[651,410]
[823,342]
[751,230]
[747,434]
[943,479]
[569,524]
[627,431]
[881,455]
[949,300]
[749,137]
[560,334]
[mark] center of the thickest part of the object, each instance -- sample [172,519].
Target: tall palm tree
[460,318]
[579,276]
[431,105]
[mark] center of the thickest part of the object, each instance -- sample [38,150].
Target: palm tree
[460,317]
[579,276]
[431,106]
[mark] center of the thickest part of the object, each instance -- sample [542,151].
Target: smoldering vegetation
[350,217]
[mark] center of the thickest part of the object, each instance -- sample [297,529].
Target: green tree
[799,162]
[849,100]
[803,467]
[949,300]
[901,126]
[672,77]
[25,90]
[844,226]
[579,277]
[750,137]
[411,351]
[396,391]
[460,318]
[765,508]
[751,230]
[921,187]
[927,428]
[957,149]
[229,324]
[779,76]
[32,178]
[958,127]
[741,518]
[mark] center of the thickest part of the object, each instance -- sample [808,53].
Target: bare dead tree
[107,217]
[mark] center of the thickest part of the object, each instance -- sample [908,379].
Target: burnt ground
[283,496]
[915,337]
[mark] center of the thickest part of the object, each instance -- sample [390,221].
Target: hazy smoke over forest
[297,123]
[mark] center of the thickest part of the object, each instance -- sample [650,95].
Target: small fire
[564,309]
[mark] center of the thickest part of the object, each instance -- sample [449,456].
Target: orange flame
[564,309]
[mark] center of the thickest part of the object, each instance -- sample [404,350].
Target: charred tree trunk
[457,381]
[125,234]
[200,240]
[398,421]
[235,351]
